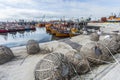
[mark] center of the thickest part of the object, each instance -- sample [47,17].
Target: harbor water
[15,39]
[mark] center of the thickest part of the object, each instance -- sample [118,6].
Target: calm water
[20,38]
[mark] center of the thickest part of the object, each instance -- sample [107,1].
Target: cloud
[30,9]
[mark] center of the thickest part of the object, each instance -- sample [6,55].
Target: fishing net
[111,44]
[32,47]
[52,67]
[5,54]
[95,53]
[57,66]
[94,37]
[77,64]
[116,37]
[119,47]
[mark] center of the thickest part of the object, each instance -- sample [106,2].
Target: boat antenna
[42,18]
[119,15]
[112,13]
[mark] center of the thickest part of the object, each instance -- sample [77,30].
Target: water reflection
[20,38]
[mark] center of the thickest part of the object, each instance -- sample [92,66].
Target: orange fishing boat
[112,18]
[40,25]
[48,27]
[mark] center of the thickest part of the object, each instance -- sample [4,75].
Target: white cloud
[17,1]
[36,8]
[15,13]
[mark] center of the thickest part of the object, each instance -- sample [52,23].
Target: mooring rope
[111,53]
[101,60]
[75,71]
[48,69]
[90,69]
[24,59]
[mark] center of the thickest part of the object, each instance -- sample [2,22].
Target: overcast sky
[34,9]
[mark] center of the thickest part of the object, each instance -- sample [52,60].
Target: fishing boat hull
[48,28]
[59,34]
[71,34]
[48,25]
[53,31]
[11,30]
[3,31]
[40,25]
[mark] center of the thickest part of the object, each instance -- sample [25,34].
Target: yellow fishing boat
[67,33]
[53,31]
[60,34]
[71,34]
[74,30]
